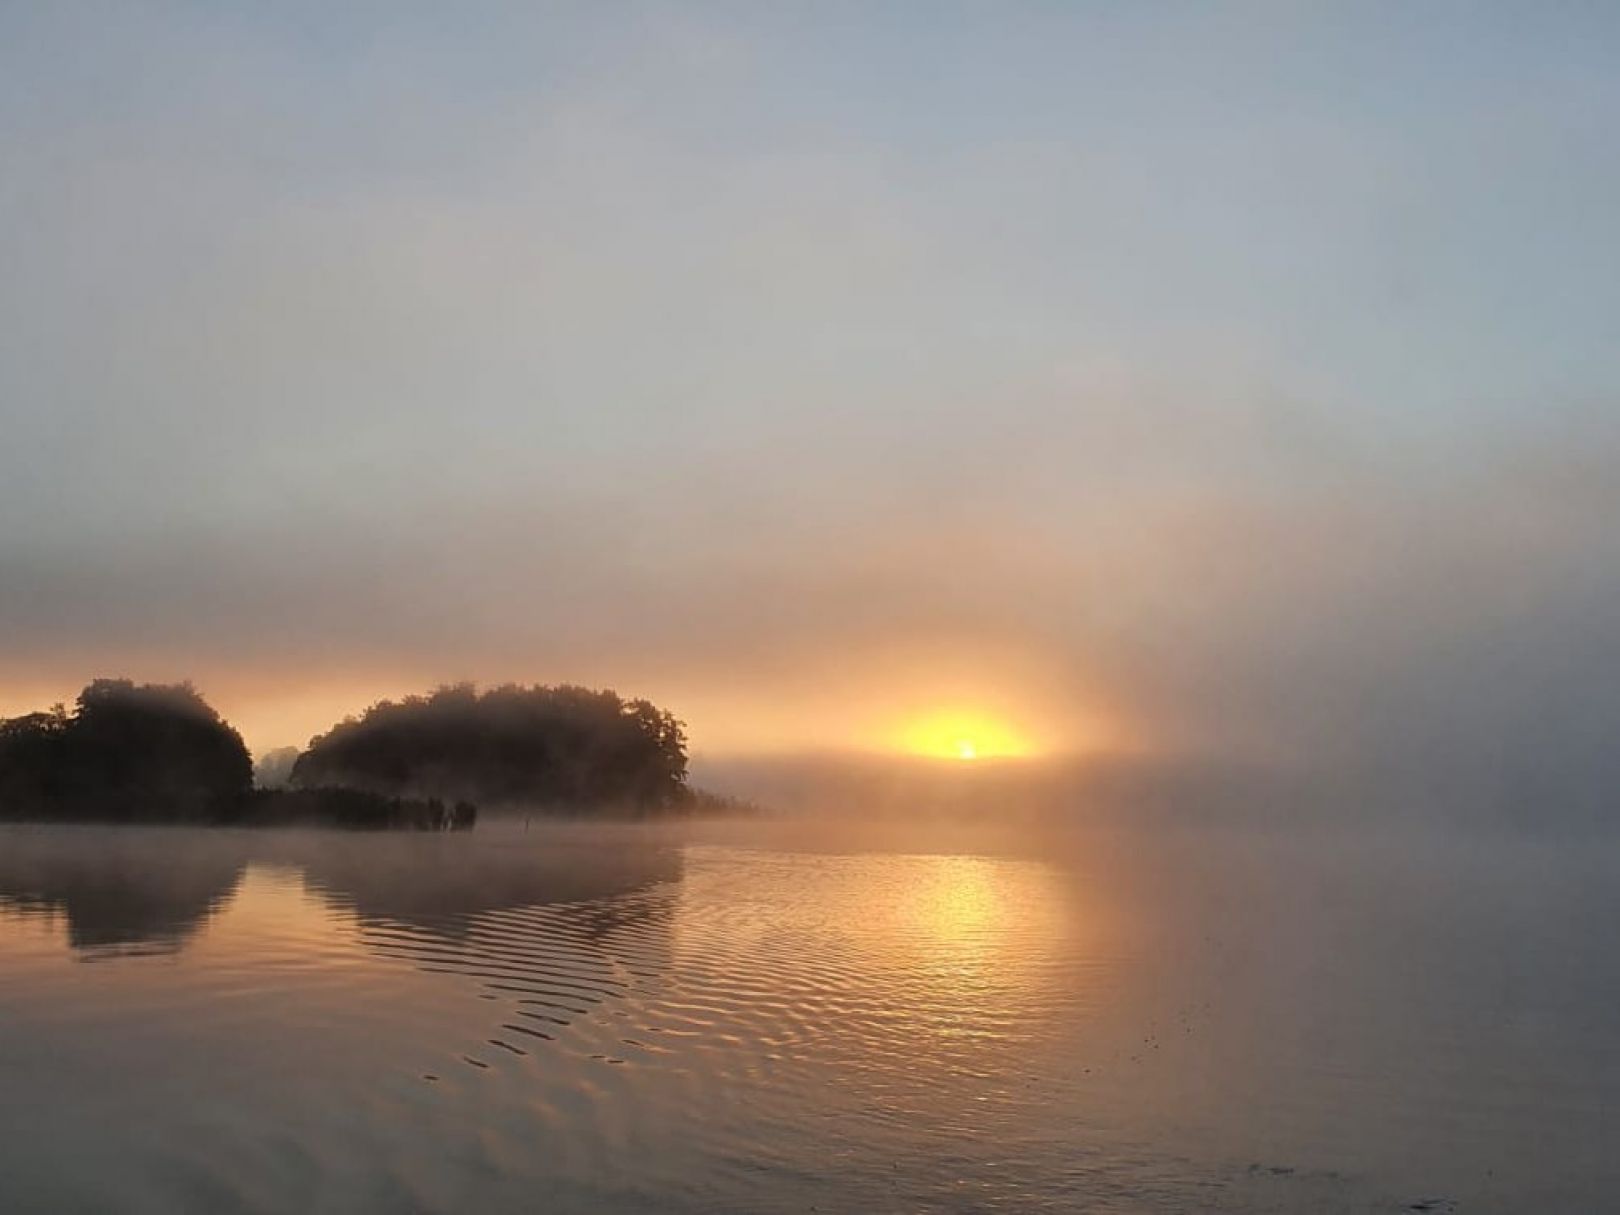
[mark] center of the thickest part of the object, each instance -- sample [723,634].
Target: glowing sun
[962,735]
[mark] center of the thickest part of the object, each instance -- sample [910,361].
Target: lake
[833,1017]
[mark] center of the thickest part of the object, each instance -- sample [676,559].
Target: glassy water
[758,1018]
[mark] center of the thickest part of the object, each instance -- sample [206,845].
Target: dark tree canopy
[127,752]
[556,747]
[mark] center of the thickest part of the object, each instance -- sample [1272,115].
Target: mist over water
[1200,421]
[854,1012]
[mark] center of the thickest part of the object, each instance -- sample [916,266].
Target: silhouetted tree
[32,748]
[354,809]
[562,747]
[150,752]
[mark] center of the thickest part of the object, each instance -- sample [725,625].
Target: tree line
[131,752]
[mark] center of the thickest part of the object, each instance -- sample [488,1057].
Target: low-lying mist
[1130,792]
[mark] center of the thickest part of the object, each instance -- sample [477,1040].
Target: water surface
[761,1018]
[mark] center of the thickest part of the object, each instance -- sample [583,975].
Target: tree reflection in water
[142,890]
[120,891]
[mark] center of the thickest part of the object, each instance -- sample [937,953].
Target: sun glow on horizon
[964,736]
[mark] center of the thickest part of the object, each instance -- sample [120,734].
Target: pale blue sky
[1241,373]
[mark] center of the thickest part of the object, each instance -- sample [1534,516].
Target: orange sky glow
[929,717]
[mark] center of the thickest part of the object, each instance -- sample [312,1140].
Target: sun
[963,735]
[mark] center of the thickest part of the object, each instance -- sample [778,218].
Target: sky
[1219,379]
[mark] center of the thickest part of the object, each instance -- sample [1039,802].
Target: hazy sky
[1216,377]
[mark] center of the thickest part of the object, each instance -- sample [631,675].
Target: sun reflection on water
[913,967]
[956,899]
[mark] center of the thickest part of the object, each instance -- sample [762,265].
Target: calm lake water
[762,1018]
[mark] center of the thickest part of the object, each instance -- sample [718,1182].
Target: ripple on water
[634,1025]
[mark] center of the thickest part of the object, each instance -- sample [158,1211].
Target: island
[159,753]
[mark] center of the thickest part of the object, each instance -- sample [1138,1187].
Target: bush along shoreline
[159,753]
